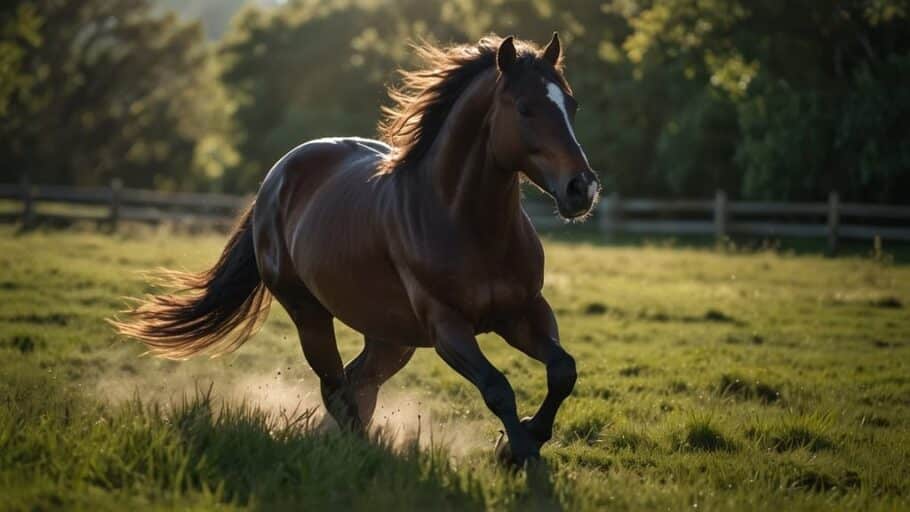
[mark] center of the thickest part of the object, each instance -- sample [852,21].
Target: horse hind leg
[375,364]
[317,339]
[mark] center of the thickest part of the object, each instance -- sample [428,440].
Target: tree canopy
[767,100]
[107,88]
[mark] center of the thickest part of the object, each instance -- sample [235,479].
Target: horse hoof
[505,456]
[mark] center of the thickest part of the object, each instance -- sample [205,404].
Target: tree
[114,90]
[19,33]
[314,69]
[812,89]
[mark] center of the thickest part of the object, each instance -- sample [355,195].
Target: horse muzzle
[578,195]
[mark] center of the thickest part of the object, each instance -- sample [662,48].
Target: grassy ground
[708,379]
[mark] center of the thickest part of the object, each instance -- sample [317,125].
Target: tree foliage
[812,90]
[767,100]
[108,88]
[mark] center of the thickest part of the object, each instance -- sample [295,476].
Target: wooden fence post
[833,222]
[28,202]
[116,186]
[609,221]
[720,216]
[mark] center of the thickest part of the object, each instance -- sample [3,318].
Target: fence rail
[719,217]
[116,203]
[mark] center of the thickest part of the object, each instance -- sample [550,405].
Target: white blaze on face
[555,94]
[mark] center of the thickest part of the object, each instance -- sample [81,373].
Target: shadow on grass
[282,462]
[198,449]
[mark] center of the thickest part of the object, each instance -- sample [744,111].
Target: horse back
[289,188]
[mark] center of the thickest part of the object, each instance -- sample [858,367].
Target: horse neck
[479,194]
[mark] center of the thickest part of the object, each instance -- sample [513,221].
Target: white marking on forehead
[592,189]
[554,92]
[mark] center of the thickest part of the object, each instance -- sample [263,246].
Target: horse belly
[375,305]
[345,268]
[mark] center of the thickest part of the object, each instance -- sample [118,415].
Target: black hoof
[505,456]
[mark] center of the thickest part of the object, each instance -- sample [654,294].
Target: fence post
[28,202]
[609,221]
[833,222]
[720,216]
[116,186]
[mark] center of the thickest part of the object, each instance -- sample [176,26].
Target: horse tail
[214,311]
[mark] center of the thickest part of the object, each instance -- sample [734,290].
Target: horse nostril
[577,187]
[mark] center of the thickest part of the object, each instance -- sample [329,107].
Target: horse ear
[505,55]
[553,50]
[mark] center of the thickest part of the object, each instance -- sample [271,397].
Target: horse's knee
[561,375]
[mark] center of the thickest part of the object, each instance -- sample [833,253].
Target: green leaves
[780,99]
[114,89]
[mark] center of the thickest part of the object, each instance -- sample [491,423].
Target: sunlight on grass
[734,380]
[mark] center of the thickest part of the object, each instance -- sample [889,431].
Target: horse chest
[489,290]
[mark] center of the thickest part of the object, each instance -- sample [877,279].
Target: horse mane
[425,96]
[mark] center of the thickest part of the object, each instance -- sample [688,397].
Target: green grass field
[718,380]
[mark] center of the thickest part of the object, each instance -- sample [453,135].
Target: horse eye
[524,110]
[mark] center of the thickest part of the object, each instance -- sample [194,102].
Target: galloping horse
[417,241]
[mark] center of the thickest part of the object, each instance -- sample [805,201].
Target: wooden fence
[115,203]
[719,217]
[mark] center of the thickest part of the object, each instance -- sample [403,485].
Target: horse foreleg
[455,343]
[535,333]
[377,363]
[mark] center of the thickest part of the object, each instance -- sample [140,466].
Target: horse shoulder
[521,271]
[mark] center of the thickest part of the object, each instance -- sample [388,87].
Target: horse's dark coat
[422,242]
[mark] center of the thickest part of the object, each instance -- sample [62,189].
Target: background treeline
[767,100]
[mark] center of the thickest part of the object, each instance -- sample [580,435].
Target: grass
[728,379]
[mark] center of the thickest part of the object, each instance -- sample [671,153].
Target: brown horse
[420,241]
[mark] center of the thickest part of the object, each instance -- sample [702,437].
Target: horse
[417,240]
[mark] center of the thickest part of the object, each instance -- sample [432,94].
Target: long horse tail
[214,311]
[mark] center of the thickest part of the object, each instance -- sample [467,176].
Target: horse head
[531,127]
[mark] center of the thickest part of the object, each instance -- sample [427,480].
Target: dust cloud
[402,419]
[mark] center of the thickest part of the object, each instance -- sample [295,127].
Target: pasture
[708,379]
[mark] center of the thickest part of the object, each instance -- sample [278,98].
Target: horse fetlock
[541,433]
[341,403]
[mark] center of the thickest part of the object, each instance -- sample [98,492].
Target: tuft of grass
[822,482]
[595,308]
[794,432]
[887,303]
[627,438]
[873,419]
[24,343]
[714,315]
[585,423]
[678,386]
[633,371]
[795,437]
[701,434]
[739,387]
